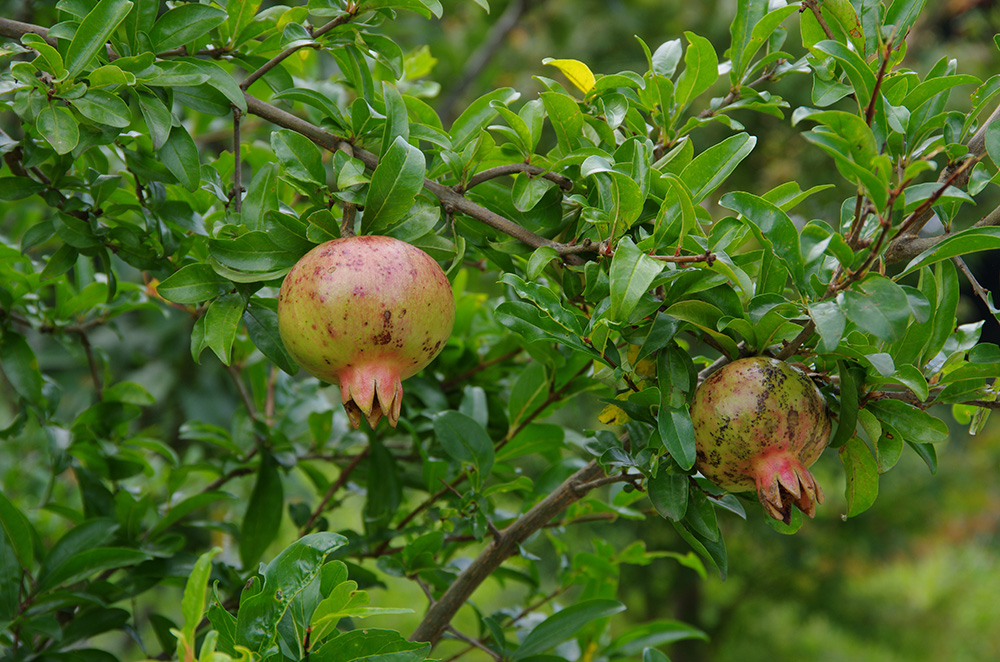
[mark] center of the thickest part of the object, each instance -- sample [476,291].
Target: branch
[811,4]
[908,247]
[451,199]
[16,29]
[565,183]
[345,474]
[440,614]
[283,55]
[901,247]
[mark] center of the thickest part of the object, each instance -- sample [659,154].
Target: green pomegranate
[366,313]
[760,424]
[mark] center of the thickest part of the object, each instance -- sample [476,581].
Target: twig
[283,55]
[686,259]
[814,7]
[342,479]
[976,287]
[452,381]
[564,182]
[474,643]
[606,480]
[95,374]
[908,247]
[455,202]
[238,162]
[234,373]
[439,616]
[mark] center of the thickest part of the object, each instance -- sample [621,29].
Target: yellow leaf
[578,73]
[613,415]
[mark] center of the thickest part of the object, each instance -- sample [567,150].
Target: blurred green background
[915,578]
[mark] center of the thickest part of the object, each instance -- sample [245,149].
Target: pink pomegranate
[760,423]
[366,313]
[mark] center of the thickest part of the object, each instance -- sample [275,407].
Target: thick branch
[16,29]
[440,614]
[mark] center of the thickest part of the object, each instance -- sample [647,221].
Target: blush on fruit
[760,424]
[366,313]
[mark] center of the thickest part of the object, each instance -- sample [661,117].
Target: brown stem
[908,247]
[439,616]
[452,201]
[814,8]
[283,55]
[686,259]
[238,162]
[452,381]
[564,183]
[245,397]
[334,488]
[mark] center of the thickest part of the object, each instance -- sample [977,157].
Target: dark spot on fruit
[383,338]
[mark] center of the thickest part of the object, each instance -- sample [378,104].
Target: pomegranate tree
[366,313]
[760,424]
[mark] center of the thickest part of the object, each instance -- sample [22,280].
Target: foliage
[165,166]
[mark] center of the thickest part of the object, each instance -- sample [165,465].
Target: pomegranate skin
[760,424]
[366,313]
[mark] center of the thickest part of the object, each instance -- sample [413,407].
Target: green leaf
[830,323]
[564,624]
[647,635]
[193,600]
[185,507]
[478,115]
[902,14]
[877,305]
[632,272]
[547,301]
[394,185]
[21,366]
[963,242]
[385,489]
[90,562]
[193,283]
[285,578]
[465,440]
[916,425]
[59,127]
[261,197]
[701,69]
[371,645]
[218,78]
[710,168]
[773,228]
[748,14]
[20,533]
[299,156]
[184,23]
[262,519]
[397,122]
[261,320]
[669,495]
[862,476]
[158,118]
[221,323]
[180,155]
[857,71]
[104,108]
[93,32]
[253,252]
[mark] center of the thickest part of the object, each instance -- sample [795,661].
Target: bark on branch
[439,615]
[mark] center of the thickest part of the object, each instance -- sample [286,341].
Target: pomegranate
[760,423]
[366,313]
